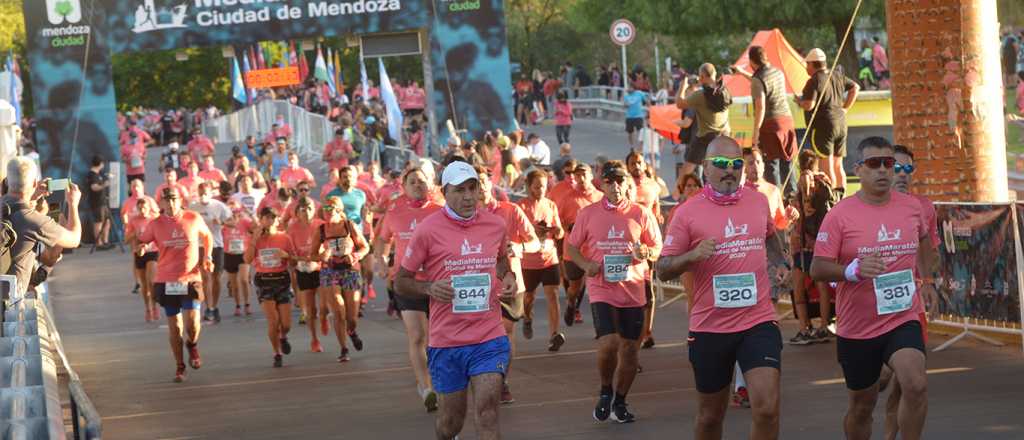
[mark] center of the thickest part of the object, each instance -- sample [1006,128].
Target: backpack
[718,98]
[7,238]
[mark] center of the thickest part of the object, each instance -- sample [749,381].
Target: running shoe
[135,290]
[821,334]
[648,343]
[356,342]
[286,347]
[315,347]
[392,310]
[216,316]
[603,408]
[156,314]
[430,400]
[579,316]
[570,315]
[208,315]
[248,311]
[193,356]
[528,329]
[803,337]
[149,315]
[302,318]
[344,355]
[324,327]
[179,374]
[238,310]
[832,327]
[278,361]
[506,394]
[621,414]
[556,341]
[741,399]
[361,307]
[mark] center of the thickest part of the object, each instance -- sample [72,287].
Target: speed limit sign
[622,32]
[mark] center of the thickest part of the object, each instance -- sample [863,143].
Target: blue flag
[245,68]
[330,74]
[387,94]
[237,86]
[13,87]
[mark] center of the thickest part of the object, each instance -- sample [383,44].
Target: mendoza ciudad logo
[66,14]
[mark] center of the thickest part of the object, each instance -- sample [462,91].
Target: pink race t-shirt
[520,231]
[342,146]
[398,226]
[213,175]
[134,158]
[135,226]
[538,211]
[855,229]
[237,238]
[178,239]
[930,218]
[443,248]
[264,259]
[302,237]
[290,177]
[739,232]
[606,235]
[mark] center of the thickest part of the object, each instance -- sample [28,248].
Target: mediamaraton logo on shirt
[733,231]
[412,225]
[885,235]
[614,234]
[468,249]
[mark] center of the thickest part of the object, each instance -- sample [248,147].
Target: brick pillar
[947,96]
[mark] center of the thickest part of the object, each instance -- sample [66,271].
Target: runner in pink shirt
[614,241]
[719,236]
[873,244]
[903,173]
[200,146]
[236,241]
[144,254]
[210,171]
[647,193]
[462,251]
[292,174]
[338,152]
[133,154]
[171,181]
[522,239]
[269,254]
[541,268]
[136,192]
[191,180]
[397,228]
[583,194]
[306,274]
[178,285]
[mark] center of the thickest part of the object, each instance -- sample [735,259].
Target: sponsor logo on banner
[149,18]
[67,13]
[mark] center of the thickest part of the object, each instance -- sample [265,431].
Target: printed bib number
[894,292]
[735,291]
[472,292]
[305,266]
[135,161]
[236,246]
[269,258]
[340,246]
[176,289]
[616,267]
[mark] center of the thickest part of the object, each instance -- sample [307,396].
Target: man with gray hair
[32,227]
[711,103]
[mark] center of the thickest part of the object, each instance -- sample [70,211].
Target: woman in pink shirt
[339,246]
[145,255]
[563,118]
[133,153]
[236,241]
[307,269]
[541,268]
[269,254]
[210,171]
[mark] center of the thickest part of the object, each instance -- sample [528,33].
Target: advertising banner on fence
[277,77]
[978,264]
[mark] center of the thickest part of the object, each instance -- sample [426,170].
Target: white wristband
[851,270]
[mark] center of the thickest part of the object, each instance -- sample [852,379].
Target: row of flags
[325,69]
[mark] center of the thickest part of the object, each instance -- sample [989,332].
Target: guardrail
[33,373]
[598,102]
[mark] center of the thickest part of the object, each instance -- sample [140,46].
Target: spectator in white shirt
[539,150]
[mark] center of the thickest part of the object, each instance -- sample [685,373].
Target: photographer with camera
[99,204]
[32,227]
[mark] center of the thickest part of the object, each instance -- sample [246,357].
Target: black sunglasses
[876,162]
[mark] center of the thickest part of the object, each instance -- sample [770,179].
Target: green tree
[12,40]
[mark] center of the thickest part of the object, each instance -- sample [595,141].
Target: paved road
[127,370]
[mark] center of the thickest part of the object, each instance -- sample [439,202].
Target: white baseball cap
[815,55]
[456,173]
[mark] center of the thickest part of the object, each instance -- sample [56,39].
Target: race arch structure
[70,43]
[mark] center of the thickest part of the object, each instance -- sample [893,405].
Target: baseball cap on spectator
[815,55]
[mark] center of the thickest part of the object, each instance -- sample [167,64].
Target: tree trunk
[847,59]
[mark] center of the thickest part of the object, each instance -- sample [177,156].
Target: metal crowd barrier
[598,102]
[33,374]
[310,131]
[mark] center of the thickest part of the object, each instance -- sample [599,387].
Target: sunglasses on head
[724,162]
[876,162]
[903,168]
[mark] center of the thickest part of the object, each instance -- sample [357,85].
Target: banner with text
[978,264]
[267,78]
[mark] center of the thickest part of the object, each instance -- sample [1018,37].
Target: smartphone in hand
[55,185]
